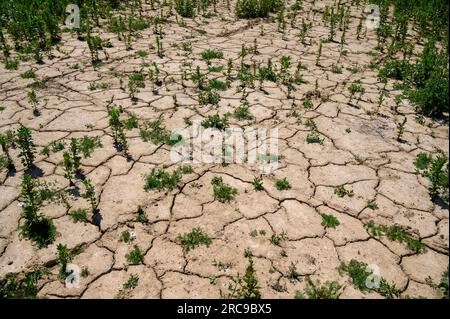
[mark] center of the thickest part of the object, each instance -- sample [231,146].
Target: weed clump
[396,233]
[223,192]
[135,256]
[245,287]
[282,184]
[436,170]
[329,221]
[249,9]
[193,239]
[160,179]
[329,290]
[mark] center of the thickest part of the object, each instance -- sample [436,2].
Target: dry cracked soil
[359,151]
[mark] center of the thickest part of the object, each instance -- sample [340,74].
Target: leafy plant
[117,127]
[79,215]
[358,273]
[64,257]
[208,97]
[245,287]
[372,204]
[155,132]
[132,282]
[6,142]
[223,192]
[341,191]
[401,129]
[329,221]
[89,194]
[141,216]
[242,112]
[210,54]
[36,227]
[329,290]
[160,179]
[314,138]
[20,287]
[193,239]
[276,239]
[396,233]
[443,284]
[361,277]
[87,144]
[249,9]
[282,184]
[27,148]
[436,170]
[258,183]
[185,8]
[126,236]
[215,121]
[135,256]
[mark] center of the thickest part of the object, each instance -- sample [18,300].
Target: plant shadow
[34,171]
[97,218]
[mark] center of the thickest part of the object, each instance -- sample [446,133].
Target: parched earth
[360,151]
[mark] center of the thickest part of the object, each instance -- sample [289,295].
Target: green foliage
[7,140]
[20,287]
[156,132]
[242,112]
[360,275]
[29,74]
[135,256]
[141,216]
[314,138]
[223,192]
[208,97]
[185,8]
[249,9]
[193,239]
[329,221]
[336,69]
[217,85]
[36,227]
[258,183]
[68,167]
[215,121]
[282,184]
[160,179]
[356,87]
[27,148]
[132,282]
[372,204]
[87,144]
[268,73]
[443,284]
[12,64]
[85,272]
[436,170]
[79,215]
[89,194]
[395,233]
[245,287]
[431,81]
[64,257]
[126,236]
[329,290]
[117,127]
[209,55]
[341,191]
[276,239]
